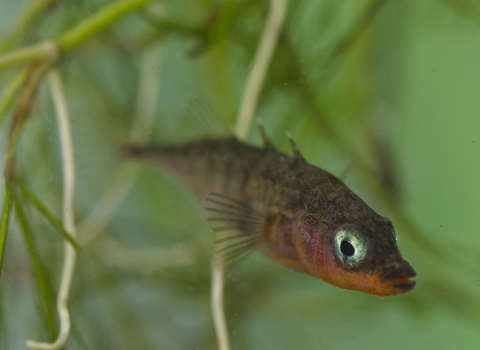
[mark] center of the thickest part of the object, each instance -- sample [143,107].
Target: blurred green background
[387,88]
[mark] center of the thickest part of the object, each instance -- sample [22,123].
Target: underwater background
[383,93]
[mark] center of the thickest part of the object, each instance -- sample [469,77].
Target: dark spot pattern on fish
[306,219]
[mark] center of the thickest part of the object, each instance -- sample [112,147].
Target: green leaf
[4,224]
[46,295]
[53,220]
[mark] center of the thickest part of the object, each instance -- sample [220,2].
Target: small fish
[298,215]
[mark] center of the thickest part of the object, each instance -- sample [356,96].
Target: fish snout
[396,279]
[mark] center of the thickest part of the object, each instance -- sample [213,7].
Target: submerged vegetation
[381,93]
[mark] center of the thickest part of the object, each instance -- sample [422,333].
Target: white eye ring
[350,245]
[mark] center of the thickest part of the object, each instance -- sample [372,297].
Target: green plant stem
[4,224]
[23,55]
[25,96]
[97,23]
[50,217]
[42,283]
[75,36]
[11,89]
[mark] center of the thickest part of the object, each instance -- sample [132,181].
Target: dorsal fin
[267,142]
[293,145]
[200,120]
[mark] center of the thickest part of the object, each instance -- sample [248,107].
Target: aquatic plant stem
[40,277]
[219,321]
[148,89]
[75,36]
[27,54]
[50,217]
[4,223]
[98,22]
[251,93]
[25,97]
[10,91]
[259,69]
[63,120]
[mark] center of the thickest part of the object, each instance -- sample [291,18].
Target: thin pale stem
[66,143]
[259,69]
[149,85]
[251,93]
[220,323]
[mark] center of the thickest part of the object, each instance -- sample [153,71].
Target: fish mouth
[397,279]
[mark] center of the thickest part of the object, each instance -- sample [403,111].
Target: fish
[296,214]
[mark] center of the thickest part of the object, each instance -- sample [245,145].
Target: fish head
[357,254]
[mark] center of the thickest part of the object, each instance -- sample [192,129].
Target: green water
[407,87]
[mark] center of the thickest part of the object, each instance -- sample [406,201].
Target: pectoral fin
[237,228]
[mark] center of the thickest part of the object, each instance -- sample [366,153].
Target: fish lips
[397,279]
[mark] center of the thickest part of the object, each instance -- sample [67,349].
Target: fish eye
[350,245]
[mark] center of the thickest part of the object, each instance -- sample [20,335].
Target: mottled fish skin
[305,207]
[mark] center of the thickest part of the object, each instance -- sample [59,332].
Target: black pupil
[347,248]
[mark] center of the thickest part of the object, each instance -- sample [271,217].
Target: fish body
[298,215]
